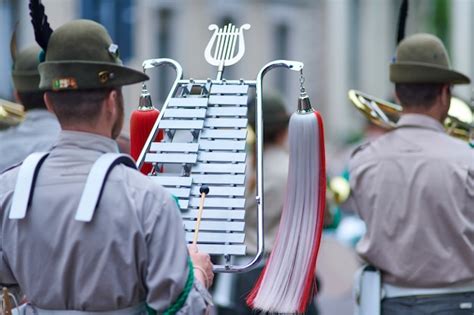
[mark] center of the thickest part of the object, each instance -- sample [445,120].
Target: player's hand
[202,266]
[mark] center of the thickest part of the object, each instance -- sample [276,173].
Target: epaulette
[360,148]
[11,167]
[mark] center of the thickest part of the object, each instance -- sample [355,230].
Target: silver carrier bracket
[205,143]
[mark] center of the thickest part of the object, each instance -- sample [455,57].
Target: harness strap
[368,291]
[90,197]
[96,181]
[25,184]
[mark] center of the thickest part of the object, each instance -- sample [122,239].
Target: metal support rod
[150,64]
[292,65]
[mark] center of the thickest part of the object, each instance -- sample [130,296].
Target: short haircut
[78,106]
[419,95]
[32,100]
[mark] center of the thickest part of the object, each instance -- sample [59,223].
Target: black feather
[402,19]
[40,23]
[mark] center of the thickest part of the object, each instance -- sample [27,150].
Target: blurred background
[344,44]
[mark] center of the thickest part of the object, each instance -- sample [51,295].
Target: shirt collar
[39,114]
[420,121]
[85,141]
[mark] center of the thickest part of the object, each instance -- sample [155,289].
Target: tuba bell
[11,114]
[459,122]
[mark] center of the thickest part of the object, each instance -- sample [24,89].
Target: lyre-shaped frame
[180,100]
[220,50]
[257,84]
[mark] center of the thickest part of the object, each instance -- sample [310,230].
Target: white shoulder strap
[368,289]
[96,181]
[25,184]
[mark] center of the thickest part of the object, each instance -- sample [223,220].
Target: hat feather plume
[402,19]
[40,23]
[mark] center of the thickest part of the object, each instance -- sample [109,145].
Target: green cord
[176,200]
[178,304]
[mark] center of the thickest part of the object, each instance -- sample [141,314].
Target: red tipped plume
[287,284]
[141,124]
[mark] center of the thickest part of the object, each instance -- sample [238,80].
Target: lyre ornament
[221,49]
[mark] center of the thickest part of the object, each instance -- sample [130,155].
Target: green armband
[178,304]
[176,200]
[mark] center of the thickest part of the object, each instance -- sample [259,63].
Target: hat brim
[26,81]
[410,72]
[85,75]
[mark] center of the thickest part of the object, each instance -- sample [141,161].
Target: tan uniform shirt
[275,173]
[132,251]
[37,132]
[414,188]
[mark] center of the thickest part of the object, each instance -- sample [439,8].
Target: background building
[343,43]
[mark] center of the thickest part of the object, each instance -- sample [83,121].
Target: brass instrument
[337,192]
[11,114]
[459,122]
[339,189]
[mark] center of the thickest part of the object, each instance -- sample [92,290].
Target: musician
[40,128]
[132,255]
[414,188]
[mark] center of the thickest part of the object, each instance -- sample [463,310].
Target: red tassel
[310,282]
[141,124]
[272,292]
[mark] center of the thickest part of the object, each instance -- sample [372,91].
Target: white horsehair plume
[287,284]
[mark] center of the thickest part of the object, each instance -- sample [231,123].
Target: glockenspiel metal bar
[218,202]
[229,89]
[221,156]
[172,180]
[238,250]
[238,145]
[182,124]
[188,102]
[174,147]
[225,122]
[171,158]
[219,179]
[224,214]
[228,99]
[219,168]
[183,204]
[235,191]
[185,113]
[225,111]
[179,192]
[215,225]
[206,237]
[224,134]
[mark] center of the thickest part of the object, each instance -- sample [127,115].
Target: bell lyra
[221,49]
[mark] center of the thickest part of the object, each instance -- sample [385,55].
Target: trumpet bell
[11,114]
[460,119]
[340,189]
[459,122]
[379,112]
